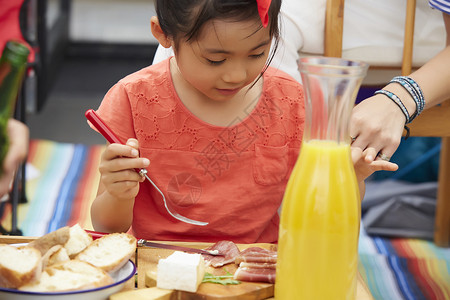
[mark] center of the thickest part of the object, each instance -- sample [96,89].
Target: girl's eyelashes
[218,62]
[258,55]
[215,62]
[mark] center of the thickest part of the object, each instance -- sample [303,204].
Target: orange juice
[319,226]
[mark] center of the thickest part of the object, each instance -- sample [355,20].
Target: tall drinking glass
[319,227]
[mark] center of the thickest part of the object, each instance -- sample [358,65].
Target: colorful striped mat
[63,180]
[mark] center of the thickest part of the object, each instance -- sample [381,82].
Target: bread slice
[78,241]
[54,255]
[18,266]
[68,276]
[59,255]
[57,237]
[110,252]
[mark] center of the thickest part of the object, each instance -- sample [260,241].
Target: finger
[384,143]
[382,165]
[361,141]
[125,163]
[373,145]
[387,151]
[378,150]
[123,178]
[133,143]
[118,150]
[356,154]
[382,156]
[370,154]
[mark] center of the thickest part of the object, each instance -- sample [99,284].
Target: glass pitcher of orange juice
[320,216]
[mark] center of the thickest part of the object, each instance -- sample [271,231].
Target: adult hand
[376,127]
[18,134]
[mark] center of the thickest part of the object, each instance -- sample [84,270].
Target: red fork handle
[104,130]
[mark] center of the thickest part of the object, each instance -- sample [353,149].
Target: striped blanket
[62,182]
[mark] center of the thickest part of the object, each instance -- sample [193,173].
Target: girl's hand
[365,167]
[117,169]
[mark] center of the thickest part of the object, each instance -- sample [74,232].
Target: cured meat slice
[255,274]
[228,248]
[257,255]
[255,265]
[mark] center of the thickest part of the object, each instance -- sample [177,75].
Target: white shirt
[373,32]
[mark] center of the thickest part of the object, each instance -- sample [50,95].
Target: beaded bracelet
[397,101]
[418,91]
[414,91]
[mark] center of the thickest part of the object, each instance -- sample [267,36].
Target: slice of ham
[229,250]
[255,265]
[255,274]
[257,255]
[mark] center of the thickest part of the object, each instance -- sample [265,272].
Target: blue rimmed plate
[120,277]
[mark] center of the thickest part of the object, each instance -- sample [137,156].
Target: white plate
[120,277]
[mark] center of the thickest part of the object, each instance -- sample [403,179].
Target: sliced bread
[78,241]
[54,255]
[18,266]
[57,237]
[67,276]
[110,252]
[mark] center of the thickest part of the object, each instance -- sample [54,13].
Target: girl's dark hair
[183,19]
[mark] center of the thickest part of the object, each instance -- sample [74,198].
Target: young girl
[222,129]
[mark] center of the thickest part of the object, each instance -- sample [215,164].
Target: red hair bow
[263,9]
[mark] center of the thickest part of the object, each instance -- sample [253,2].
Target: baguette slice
[18,266]
[59,255]
[110,252]
[68,276]
[54,255]
[57,237]
[78,241]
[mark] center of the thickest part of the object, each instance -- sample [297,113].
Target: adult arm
[18,134]
[377,123]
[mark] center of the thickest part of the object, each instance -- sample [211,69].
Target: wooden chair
[433,122]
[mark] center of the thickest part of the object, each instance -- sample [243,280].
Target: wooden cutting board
[147,260]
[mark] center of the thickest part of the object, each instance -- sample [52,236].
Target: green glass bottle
[13,64]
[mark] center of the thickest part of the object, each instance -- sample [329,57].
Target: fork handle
[104,130]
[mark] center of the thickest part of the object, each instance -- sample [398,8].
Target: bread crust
[111,259]
[12,278]
[52,278]
[57,237]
